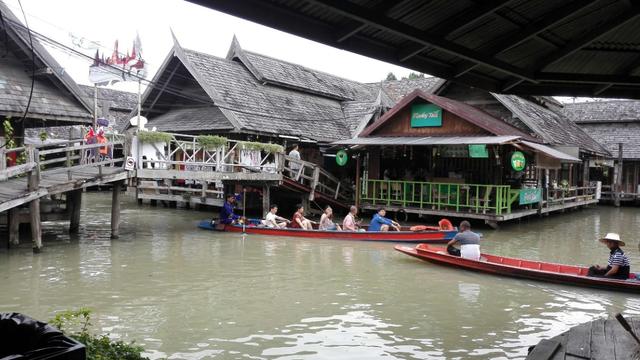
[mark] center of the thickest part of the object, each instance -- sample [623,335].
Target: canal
[183,293]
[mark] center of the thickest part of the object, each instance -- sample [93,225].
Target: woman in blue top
[381,223]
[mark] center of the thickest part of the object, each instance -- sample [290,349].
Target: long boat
[520,268]
[406,235]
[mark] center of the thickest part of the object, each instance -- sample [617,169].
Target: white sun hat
[613,237]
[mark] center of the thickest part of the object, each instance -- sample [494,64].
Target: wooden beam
[14,226]
[425,38]
[588,78]
[529,31]
[116,192]
[587,38]
[164,86]
[601,88]
[511,84]
[74,205]
[354,27]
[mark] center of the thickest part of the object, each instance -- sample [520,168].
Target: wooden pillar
[585,172]
[34,205]
[618,178]
[266,198]
[74,204]
[115,209]
[357,195]
[14,226]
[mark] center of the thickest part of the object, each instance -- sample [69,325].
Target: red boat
[536,270]
[429,236]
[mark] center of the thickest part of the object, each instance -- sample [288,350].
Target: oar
[244,209]
[626,326]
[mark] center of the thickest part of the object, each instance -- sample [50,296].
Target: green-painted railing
[492,199]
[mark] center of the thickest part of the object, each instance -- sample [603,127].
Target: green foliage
[391,76]
[211,142]
[43,135]
[10,140]
[414,75]
[76,324]
[267,147]
[152,137]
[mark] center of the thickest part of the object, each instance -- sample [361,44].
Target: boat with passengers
[521,268]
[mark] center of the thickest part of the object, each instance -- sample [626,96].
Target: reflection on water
[184,293]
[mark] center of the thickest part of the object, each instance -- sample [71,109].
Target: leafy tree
[391,76]
[414,75]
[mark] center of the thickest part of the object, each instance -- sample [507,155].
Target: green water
[185,293]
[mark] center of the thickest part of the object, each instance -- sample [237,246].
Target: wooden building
[612,123]
[433,155]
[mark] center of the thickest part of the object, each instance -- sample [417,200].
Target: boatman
[469,243]
[618,266]
[381,223]
[227,216]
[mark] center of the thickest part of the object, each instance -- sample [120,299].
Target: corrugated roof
[429,140]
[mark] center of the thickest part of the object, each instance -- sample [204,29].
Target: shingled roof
[611,111]
[56,96]
[397,89]
[610,122]
[254,93]
[553,128]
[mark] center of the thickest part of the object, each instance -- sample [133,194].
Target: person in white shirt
[274,221]
[294,166]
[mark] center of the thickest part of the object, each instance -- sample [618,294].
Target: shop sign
[530,196]
[478,151]
[342,157]
[129,164]
[426,115]
[518,161]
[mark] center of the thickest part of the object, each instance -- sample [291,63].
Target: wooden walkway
[15,192]
[600,339]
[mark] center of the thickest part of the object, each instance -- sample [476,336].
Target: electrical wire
[33,64]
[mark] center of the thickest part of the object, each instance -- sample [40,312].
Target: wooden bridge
[55,170]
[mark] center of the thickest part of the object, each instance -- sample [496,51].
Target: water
[184,293]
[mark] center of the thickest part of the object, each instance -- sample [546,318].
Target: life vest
[424,228]
[445,225]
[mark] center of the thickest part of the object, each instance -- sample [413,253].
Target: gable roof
[118,99]
[397,89]
[551,127]
[467,112]
[611,111]
[56,95]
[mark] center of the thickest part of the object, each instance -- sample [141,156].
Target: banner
[117,67]
[530,196]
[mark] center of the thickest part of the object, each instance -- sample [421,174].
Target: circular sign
[342,157]
[518,161]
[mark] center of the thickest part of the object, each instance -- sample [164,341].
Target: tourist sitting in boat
[469,243]
[381,223]
[274,221]
[299,221]
[618,266]
[349,223]
[326,220]
[227,216]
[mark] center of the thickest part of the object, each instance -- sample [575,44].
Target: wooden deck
[600,339]
[15,192]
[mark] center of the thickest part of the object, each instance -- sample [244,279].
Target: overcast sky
[198,28]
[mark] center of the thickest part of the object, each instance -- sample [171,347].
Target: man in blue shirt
[226,213]
[381,223]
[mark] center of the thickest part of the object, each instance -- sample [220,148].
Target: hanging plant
[267,147]
[43,135]
[211,142]
[152,137]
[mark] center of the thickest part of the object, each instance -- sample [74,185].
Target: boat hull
[390,236]
[520,268]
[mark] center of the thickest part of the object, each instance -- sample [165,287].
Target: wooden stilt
[266,198]
[14,226]
[34,205]
[618,177]
[74,204]
[115,209]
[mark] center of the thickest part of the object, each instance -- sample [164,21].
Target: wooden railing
[61,157]
[184,152]
[568,195]
[316,178]
[495,199]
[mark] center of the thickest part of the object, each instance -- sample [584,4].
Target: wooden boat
[536,270]
[427,236]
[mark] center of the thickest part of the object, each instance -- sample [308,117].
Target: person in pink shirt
[349,222]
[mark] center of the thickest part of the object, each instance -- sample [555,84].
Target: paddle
[626,326]
[244,210]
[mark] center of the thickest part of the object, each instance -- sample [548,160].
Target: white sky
[196,28]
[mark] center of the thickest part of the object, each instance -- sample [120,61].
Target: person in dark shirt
[227,216]
[618,266]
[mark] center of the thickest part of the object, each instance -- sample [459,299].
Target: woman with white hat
[618,266]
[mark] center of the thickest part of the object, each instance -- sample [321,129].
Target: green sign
[478,151]
[530,196]
[518,161]
[426,115]
[342,157]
